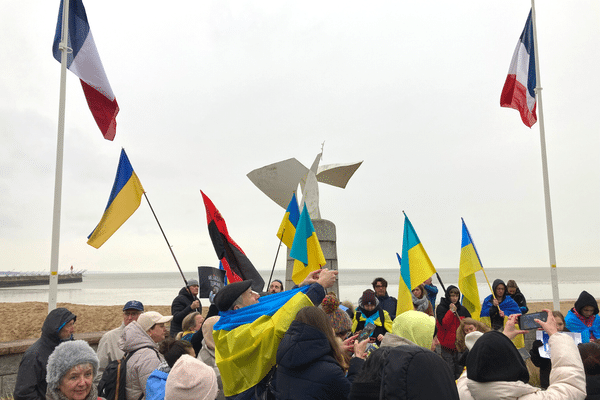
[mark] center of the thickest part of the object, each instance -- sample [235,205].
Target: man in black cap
[185,303]
[108,348]
[238,295]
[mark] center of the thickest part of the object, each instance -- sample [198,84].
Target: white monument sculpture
[281,179]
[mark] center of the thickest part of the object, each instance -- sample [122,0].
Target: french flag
[84,61]
[518,91]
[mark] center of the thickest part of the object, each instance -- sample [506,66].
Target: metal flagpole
[170,249]
[549,227]
[63,46]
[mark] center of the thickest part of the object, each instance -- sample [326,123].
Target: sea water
[160,288]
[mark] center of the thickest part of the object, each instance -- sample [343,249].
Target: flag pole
[169,245]
[276,255]
[549,225]
[53,282]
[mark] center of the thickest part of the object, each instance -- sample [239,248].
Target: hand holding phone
[366,332]
[527,321]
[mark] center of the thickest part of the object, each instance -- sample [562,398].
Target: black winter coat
[592,387]
[31,378]
[180,308]
[407,373]
[389,304]
[306,368]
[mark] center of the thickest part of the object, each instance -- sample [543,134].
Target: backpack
[114,378]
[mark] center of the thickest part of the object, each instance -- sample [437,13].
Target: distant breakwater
[34,280]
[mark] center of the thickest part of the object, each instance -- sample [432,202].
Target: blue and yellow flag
[469,264]
[306,249]
[415,267]
[287,229]
[125,198]
[246,339]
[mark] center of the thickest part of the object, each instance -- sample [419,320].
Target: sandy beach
[24,320]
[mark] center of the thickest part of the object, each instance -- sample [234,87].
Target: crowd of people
[304,343]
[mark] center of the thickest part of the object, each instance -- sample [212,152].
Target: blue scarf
[574,324]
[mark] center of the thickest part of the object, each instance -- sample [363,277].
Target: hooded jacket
[180,308]
[408,373]
[141,364]
[447,322]
[306,366]
[575,322]
[502,375]
[31,378]
[520,300]
[490,314]
[411,327]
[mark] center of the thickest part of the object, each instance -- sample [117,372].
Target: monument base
[327,238]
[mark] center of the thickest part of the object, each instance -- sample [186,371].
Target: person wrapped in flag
[251,327]
[497,307]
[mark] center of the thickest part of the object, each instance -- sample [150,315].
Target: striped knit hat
[339,318]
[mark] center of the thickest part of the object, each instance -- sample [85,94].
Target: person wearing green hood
[412,328]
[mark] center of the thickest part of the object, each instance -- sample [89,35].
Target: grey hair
[238,302]
[66,356]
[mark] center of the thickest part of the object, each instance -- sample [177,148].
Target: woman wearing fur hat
[71,369]
[369,311]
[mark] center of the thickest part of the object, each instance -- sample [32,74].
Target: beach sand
[24,320]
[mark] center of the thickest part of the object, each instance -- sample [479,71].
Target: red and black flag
[237,266]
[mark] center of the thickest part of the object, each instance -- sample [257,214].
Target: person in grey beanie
[70,372]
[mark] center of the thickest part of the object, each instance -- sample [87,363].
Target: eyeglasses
[380,286]
[131,313]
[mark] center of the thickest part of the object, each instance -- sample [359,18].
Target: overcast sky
[211,90]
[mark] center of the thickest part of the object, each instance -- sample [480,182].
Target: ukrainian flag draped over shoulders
[246,339]
[415,267]
[469,264]
[125,198]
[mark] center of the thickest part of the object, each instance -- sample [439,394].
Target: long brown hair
[315,317]
[460,331]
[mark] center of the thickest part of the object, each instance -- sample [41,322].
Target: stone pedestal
[327,238]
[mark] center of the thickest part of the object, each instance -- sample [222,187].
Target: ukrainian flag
[306,249]
[287,229]
[469,264]
[246,339]
[415,267]
[125,198]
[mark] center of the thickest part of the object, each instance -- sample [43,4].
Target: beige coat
[108,348]
[567,379]
[142,362]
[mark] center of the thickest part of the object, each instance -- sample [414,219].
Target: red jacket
[446,331]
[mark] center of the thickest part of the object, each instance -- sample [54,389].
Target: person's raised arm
[509,329]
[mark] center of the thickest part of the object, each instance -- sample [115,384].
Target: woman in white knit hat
[71,369]
[191,379]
